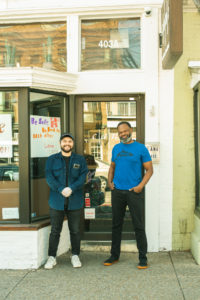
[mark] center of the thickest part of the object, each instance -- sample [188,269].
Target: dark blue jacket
[56,179]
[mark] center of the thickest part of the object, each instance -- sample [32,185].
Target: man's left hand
[137,189]
[66,192]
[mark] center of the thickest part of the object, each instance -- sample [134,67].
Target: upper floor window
[121,109]
[34,45]
[110,44]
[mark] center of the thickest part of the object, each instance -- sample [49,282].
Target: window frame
[24,149]
[117,16]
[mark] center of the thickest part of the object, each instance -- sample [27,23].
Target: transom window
[110,44]
[34,45]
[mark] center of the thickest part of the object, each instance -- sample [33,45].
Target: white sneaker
[76,263]
[51,262]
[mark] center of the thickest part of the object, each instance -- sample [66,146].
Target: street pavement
[171,276]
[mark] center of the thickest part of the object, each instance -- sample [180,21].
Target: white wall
[29,249]
[23,4]
[195,240]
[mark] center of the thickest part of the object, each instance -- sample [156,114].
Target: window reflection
[34,45]
[9,156]
[45,129]
[100,135]
[110,44]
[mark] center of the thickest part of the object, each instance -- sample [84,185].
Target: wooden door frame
[79,142]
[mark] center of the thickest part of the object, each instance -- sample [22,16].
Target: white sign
[45,135]
[6,135]
[10,213]
[89,213]
[154,151]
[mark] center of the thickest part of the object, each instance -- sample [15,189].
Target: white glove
[66,192]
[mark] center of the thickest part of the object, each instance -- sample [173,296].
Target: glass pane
[9,156]
[110,44]
[45,128]
[100,135]
[34,45]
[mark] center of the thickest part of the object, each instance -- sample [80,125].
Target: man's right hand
[111,185]
[66,192]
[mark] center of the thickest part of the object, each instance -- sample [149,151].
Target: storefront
[82,70]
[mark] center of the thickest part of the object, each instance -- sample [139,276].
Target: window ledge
[25,227]
[194,67]
[39,78]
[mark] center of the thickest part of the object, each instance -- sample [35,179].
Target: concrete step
[104,246]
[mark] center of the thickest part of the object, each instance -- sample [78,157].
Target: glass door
[99,134]
[9,156]
[46,124]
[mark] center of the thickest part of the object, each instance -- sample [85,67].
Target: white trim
[194,67]
[49,13]
[195,64]
[38,78]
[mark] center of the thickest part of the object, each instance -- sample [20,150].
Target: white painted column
[151,85]
[73,44]
[166,159]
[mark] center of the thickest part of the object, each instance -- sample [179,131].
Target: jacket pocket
[75,173]
[57,172]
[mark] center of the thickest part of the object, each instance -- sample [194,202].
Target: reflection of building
[34,45]
[100,126]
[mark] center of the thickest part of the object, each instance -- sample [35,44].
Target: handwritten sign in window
[45,135]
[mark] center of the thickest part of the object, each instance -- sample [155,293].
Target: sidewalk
[171,276]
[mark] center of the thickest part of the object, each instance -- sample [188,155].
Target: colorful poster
[6,135]
[45,135]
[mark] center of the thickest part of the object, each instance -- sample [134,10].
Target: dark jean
[135,202]
[57,218]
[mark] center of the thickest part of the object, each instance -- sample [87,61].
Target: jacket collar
[60,154]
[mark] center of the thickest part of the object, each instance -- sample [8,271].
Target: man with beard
[65,174]
[127,188]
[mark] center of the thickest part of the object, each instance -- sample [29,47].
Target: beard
[68,150]
[127,139]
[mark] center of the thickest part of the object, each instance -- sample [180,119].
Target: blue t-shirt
[128,159]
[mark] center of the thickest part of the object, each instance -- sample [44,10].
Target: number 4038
[108,44]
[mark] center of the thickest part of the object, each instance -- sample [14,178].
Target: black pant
[57,218]
[135,202]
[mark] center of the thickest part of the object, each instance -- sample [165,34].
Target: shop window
[110,44]
[197,145]
[34,45]
[45,130]
[9,156]
[95,148]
